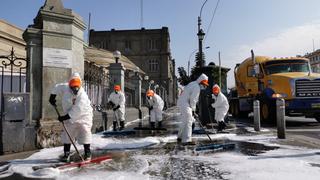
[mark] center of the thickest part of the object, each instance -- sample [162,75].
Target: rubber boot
[152,125]
[87,152]
[221,126]
[66,156]
[121,125]
[115,125]
[160,124]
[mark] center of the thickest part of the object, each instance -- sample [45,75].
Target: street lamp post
[155,88]
[150,83]
[201,36]
[117,55]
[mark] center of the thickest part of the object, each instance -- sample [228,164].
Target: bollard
[140,117]
[256,115]
[105,120]
[281,123]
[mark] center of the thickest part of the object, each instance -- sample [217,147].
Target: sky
[276,28]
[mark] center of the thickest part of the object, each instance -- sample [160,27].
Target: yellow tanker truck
[265,78]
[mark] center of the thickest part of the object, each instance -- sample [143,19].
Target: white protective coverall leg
[157,103]
[187,103]
[186,120]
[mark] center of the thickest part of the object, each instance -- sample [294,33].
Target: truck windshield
[284,66]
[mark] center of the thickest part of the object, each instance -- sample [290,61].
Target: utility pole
[219,70]
[141,13]
[89,24]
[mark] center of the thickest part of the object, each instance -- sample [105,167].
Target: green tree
[184,79]
[198,61]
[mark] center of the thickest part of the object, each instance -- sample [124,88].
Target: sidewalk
[20,155]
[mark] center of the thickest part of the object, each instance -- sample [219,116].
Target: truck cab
[289,78]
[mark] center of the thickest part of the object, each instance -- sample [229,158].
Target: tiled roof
[103,58]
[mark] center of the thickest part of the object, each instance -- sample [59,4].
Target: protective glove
[194,114]
[63,118]
[150,108]
[111,103]
[52,100]
[114,109]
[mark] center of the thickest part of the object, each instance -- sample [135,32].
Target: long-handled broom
[65,128]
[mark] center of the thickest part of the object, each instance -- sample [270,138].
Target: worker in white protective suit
[118,101]
[78,115]
[187,105]
[220,105]
[156,105]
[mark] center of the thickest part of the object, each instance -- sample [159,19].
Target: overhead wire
[213,15]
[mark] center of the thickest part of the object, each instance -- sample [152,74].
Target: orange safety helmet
[215,89]
[75,82]
[205,82]
[117,87]
[150,93]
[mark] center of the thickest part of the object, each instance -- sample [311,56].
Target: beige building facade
[11,36]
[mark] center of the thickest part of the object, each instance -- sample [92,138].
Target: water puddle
[315,165]
[165,161]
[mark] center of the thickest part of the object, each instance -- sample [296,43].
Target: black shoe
[115,126]
[121,125]
[87,156]
[160,124]
[179,140]
[191,143]
[66,157]
[221,126]
[152,125]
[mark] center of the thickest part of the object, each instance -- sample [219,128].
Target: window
[153,65]
[152,44]
[286,66]
[104,44]
[250,71]
[127,45]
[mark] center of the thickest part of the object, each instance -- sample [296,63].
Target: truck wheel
[235,109]
[237,112]
[268,111]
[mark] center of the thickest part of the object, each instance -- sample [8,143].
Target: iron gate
[13,101]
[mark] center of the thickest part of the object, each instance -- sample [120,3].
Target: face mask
[75,90]
[116,92]
[202,87]
[149,97]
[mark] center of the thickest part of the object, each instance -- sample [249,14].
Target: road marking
[303,130]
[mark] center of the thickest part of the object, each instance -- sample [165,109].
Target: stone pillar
[136,80]
[55,49]
[116,72]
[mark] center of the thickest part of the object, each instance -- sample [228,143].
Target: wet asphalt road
[173,161]
[303,131]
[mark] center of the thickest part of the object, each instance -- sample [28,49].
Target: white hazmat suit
[80,111]
[157,103]
[187,102]
[118,99]
[221,106]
